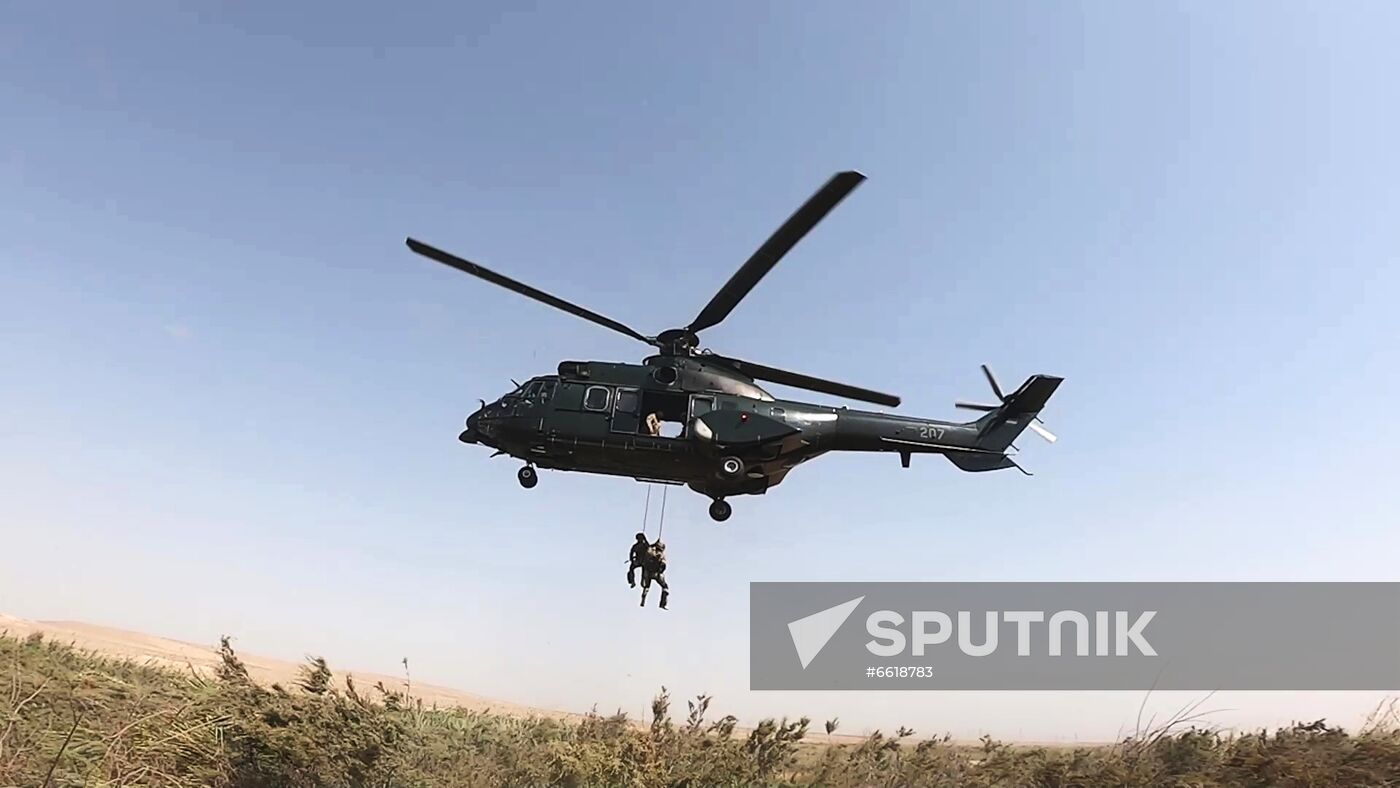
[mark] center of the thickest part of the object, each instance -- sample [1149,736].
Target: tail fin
[1002,425]
[997,429]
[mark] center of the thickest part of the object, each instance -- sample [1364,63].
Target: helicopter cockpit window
[532,391]
[547,389]
[596,398]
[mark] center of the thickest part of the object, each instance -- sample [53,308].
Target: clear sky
[229,396]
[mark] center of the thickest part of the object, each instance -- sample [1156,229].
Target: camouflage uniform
[655,570]
[636,558]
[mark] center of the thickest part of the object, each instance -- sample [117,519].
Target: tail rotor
[996,389]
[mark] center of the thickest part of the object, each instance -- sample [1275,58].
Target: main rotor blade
[521,288]
[778,244]
[986,370]
[774,375]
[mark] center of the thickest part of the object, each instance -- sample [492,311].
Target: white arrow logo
[811,633]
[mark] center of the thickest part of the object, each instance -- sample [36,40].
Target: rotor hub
[677,342]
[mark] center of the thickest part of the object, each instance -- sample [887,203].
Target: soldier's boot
[632,577]
[665,595]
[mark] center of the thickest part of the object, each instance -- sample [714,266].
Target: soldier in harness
[636,559]
[654,569]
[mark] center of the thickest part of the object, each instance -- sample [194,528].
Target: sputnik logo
[810,634]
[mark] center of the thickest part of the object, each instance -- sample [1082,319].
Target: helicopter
[689,416]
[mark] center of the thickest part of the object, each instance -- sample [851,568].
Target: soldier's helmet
[641,536]
[660,545]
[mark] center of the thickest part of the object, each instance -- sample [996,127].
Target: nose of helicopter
[470,434]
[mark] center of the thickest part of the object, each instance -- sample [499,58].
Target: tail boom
[972,446]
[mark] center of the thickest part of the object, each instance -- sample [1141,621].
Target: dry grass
[72,718]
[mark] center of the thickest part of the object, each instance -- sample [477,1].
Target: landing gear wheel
[720,510]
[527,476]
[731,467]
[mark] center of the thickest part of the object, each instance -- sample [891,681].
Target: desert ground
[165,652]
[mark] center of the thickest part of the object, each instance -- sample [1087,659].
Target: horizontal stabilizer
[980,462]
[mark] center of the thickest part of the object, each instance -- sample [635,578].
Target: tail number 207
[930,432]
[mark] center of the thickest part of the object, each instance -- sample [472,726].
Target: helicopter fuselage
[726,436]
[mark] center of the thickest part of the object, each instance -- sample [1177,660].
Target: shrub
[71,718]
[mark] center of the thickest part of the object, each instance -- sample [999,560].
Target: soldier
[636,557]
[655,569]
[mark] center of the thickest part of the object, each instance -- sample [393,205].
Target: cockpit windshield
[532,392]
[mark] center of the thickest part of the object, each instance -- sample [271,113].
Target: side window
[596,398]
[532,391]
[547,390]
[627,400]
[569,396]
[699,406]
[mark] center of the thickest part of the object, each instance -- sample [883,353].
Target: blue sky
[231,395]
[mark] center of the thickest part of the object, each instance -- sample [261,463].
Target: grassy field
[71,718]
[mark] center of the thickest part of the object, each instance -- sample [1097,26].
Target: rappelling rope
[661,524]
[646,511]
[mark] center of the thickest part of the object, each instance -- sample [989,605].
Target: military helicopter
[727,436]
